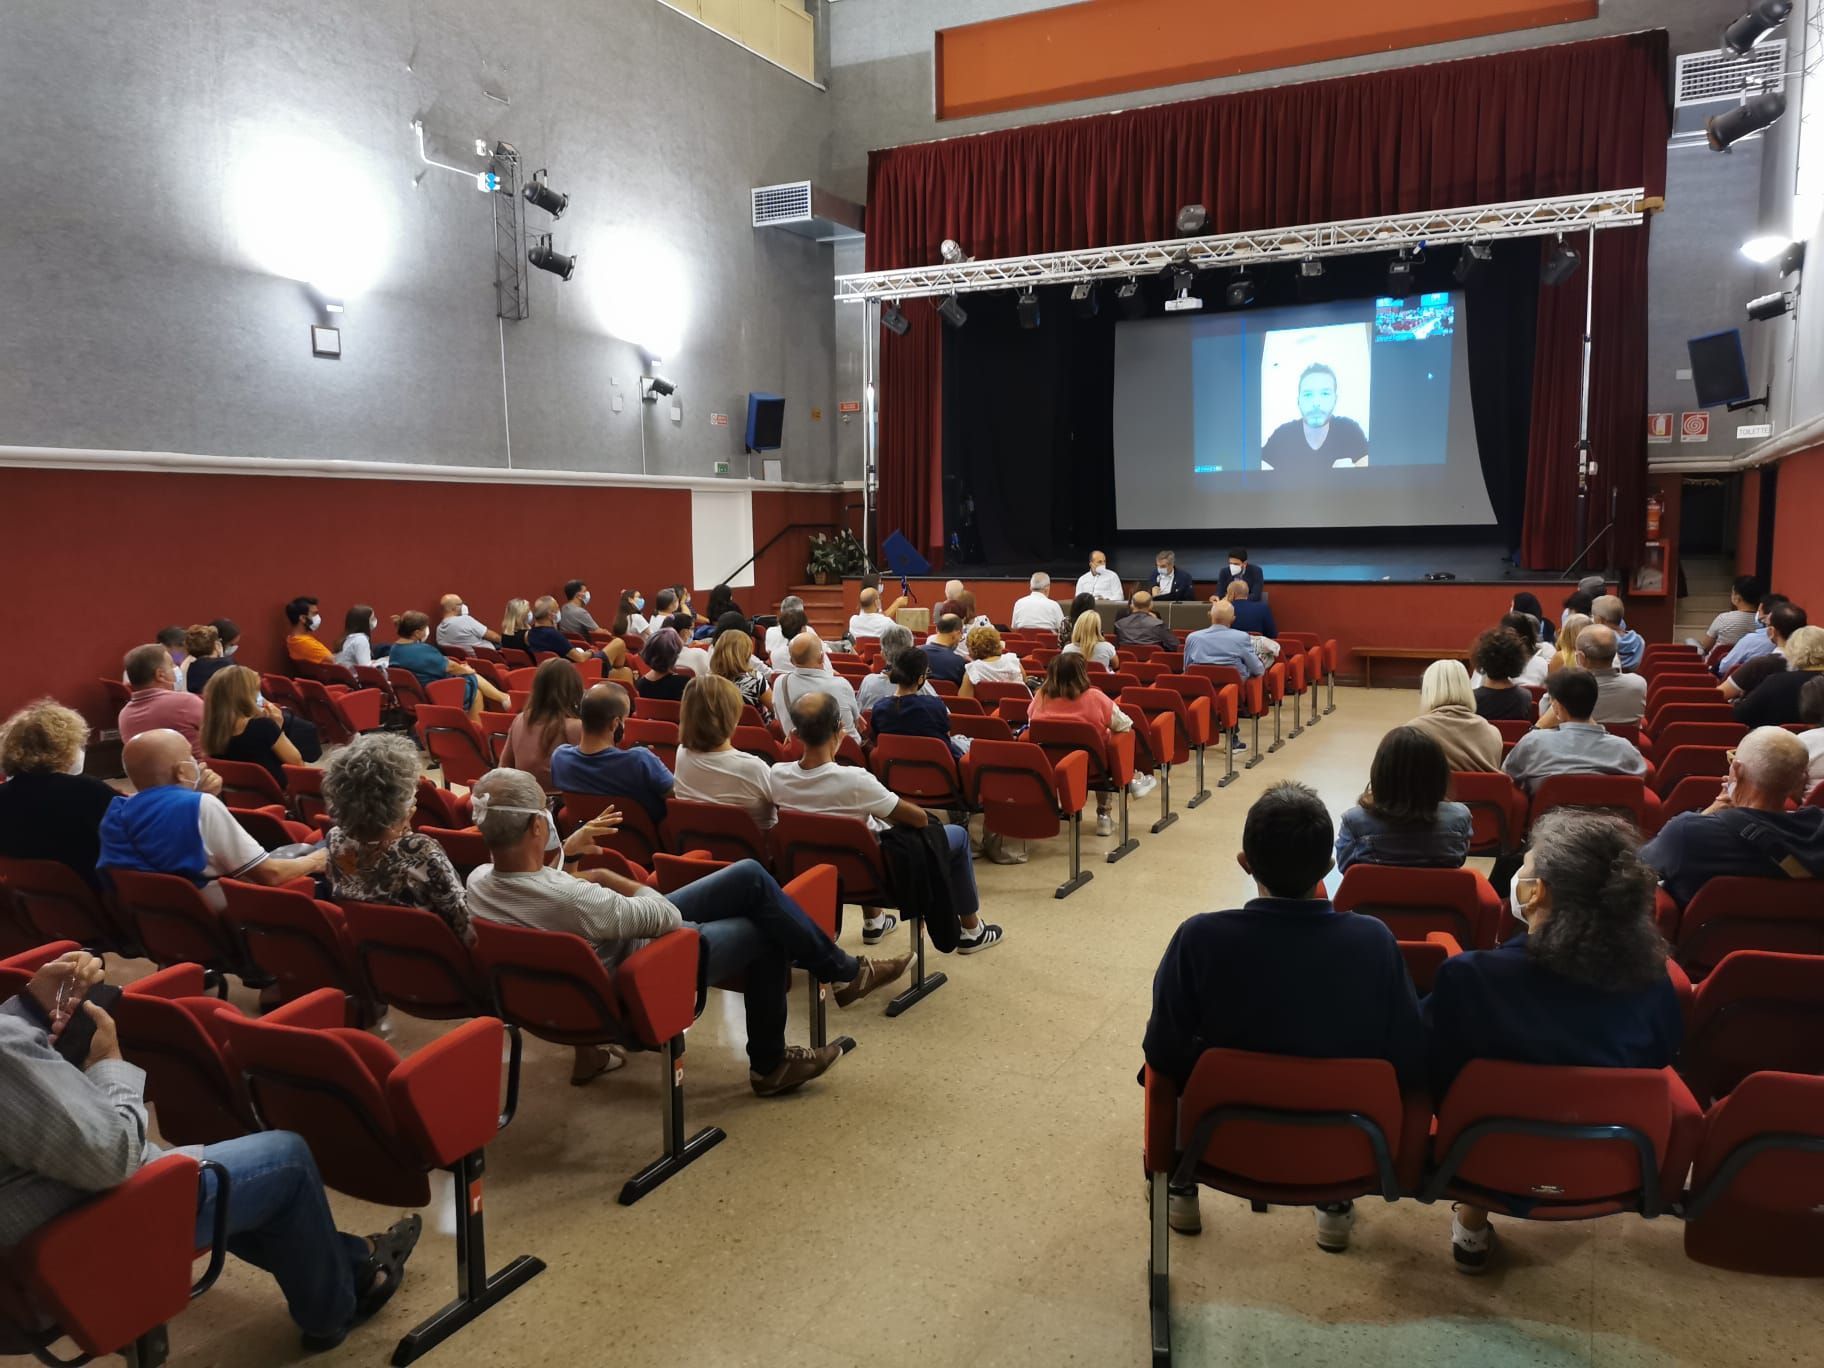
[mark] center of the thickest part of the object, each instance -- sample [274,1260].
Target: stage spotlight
[952,252]
[1027,306]
[1399,274]
[1751,116]
[1792,259]
[1473,261]
[1083,299]
[1241,289]
[1560,265]
[542,195]
[1310,269]
[1182,298]
[1741,36]
[1770,305]
[1192,220]
[894,321]
[1132,303]
[547,258]
[952,311]
[655,387]
[1310,280]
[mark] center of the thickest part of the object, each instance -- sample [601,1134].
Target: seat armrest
[174,981]
[446,1097]
[1120,754]
[815,892]
[658,987]
[1200,721]
[1415,1138]
[1165,738]
[1445,939]
[1160,1140]
[322,1010]
[1070,778]
[1667,913]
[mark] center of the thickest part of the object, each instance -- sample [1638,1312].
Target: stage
[1331,562]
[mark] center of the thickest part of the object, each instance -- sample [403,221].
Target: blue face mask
[639,604]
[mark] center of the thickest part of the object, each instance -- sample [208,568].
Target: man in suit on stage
[1239,569]
[1170,584]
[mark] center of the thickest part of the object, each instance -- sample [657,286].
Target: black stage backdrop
[1028,421]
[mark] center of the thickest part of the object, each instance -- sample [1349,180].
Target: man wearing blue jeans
[816,783]
[69,1132]
[749,926]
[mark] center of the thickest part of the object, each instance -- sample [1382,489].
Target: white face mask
[373,623]
[76,764]
[230,650]
[259,701]
[1234,567]
[462,609]
[316,621]
[585,598]
[195,781]
[1513,900]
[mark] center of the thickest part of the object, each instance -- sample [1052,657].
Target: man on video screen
[1317,439]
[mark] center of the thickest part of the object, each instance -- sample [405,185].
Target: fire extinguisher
[1655,507]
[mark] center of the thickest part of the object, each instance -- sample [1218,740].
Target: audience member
[693,649]
[1731,626]
[810,675]
[1577,602]
[1087,640]
[722,600]
[710,769]
[749,926]
[155,702]
[942,658]
[1811,713]
[870,621]
[1404,818]
[370,787]
[1500,656]
[964,607]
[732,658]
[1585,985]
[1568,741]
[1221,644]
[1610,612]
[238,724]
[49,809]
[1621,699]
[1447,713]
[1286,974]
[1238,568]
[1170,584]
[596,765]
[1538,653]
[662,680]
[629,619]
[356,648]
[515,624]
[1774,700]
[1783,619]
[1529,605]
[1140,626]
[574,617]
[78,1128]
[457,630]
[1752,645]
[1038,610]
[548,720]
[175,824]
[301,642]
[414,654]
[1067,696]
[1748,830]
[543,637]
[894,642]
[1253,616]
[1564,657]
[910,708]
[793,623]
[1099,582]
[816,783]
[172,639]
[203,656]
[989,662]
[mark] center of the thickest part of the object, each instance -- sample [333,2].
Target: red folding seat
[247,785]
[1625,793]
[1497,811]
[1555,1143]
[1425,957]
[1733,913]
[1683,682]
[339,712]
[1014,711]
[1110,760]
[722,831]
[1688,695]
[16,969]
[169,1028]
[1112,682]
[272,828]
[109,1272]
[1669,735]
[522,677]
[1667,714]
[1172,660]
[1251,699]
[661,738]
[758,741]
[637,837]
[1416,902]
[943,688]
[590,670]
[56,905]
[177,926]
[283,690]
[1146,671]
[1757,1191]
[1756,1010]
[979,728]
[920,769]
[1686,762]
[464,846]
[1693,793]
[455,743]
[301,943]
[657,709]
[439,807]
[1274,1129]
[412,960]
[1310,651]
[1513,731]
[118,695]
[992,691]
[1223,706]
[1159,744]
[1026,795]
[494,727]
[377,1125]
[1190,730]
[408,693]
[304,792]
[1137,652]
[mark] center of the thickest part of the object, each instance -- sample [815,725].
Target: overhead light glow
[308,209]
[639,286]
[1761,250]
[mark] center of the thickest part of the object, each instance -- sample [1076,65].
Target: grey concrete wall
[136,318]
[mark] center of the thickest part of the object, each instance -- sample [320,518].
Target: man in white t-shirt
[870,621]
[778,642]
[818,784]
[175,824]
[1099,580]
[1038,609]
[457,628]
[792,624]
[748,925]
[809,676]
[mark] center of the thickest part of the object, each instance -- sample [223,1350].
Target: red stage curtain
[1548,121]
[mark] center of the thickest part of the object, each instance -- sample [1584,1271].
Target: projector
[1181,304]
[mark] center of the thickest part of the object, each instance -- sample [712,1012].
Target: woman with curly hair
[371,789]
[49,809]
[989,659]
[1585,985]
[1500,657]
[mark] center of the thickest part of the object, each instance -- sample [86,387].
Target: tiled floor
[965,1188]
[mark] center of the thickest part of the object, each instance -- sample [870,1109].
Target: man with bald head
[458,629]
[870,621]
[175,824]
[1747,831]
[1621,699]
[808,676]
[1099,580]
[1140,625]
[1611,612]
[1221,644]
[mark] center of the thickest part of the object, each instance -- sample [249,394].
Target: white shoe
[1183,1213]
[1105,824]
[995,847]
[1142,785]
[1333,1229]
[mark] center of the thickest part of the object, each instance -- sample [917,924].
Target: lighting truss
[1475,223]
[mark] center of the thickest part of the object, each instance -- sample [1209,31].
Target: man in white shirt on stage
[1038,609]
[1099,580]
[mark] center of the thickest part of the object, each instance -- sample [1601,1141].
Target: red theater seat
[722,831]
[1417,902]
[1785,915]
[1024,795]
[1756,1010]
[56,905]
[412,960]
[1757,1191]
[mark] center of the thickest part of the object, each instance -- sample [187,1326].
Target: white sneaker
[1183,1212]
[1333,1228]
[1105,824]
[1143,784]
[995,847]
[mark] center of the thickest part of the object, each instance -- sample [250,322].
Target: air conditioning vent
[1713,77]
[801,208]
[775,204]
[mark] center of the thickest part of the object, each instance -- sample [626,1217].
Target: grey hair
[1608,610]
[507,788]
[370,783]
[789,602]
[1601,930]
[895,641]
[1597,645]
[545,606]
[1040,580]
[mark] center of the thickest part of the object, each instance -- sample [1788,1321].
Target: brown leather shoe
[800,1065]
[875,973]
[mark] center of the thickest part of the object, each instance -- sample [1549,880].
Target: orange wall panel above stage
[1106,47]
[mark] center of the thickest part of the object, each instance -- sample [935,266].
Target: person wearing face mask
[357,648]
[204,656]
[301,642]
[49,809]
[155,701]
[1099,581]
[629,616]
[575,617]
[240,725]
[596,765]
[175,824]
[1238,568]
[1585,985]
[458,630]
[413,653]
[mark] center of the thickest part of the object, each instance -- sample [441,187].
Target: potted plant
[832,557]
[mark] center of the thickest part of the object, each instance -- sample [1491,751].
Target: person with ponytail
[1584,985]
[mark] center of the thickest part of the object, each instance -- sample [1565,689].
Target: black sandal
[379,1278]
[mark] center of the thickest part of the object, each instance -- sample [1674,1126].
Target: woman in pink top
[547,721]
[1066,696]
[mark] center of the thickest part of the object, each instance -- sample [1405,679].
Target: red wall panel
[1798,551]
[1748,525]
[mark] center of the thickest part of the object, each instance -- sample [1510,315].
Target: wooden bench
[1369,654]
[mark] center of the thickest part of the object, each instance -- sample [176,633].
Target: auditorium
[884,683]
